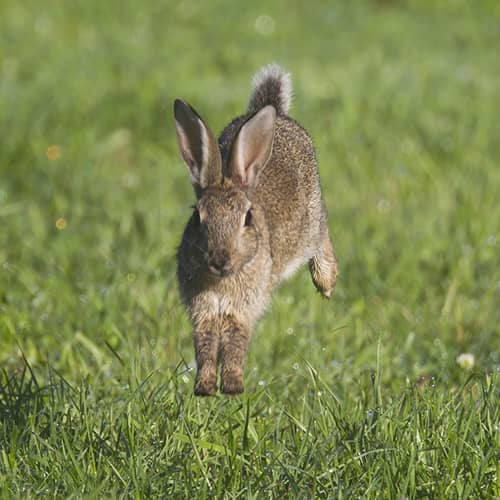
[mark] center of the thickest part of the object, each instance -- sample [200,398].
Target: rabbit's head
[225,229]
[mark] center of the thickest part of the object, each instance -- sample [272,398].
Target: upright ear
[253,147]
[198,147]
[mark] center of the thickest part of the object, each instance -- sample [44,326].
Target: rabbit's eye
[248,218]
[196,217]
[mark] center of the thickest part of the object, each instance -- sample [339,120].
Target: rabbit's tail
[271,85]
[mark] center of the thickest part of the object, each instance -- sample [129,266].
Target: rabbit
[259,216]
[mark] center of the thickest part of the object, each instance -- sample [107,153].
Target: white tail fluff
[271,85]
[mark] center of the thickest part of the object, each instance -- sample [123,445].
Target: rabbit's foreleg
[206,344]
[233,347]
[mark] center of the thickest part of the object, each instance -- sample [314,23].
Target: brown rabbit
[259,216]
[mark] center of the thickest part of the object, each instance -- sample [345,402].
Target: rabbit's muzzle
[219,263]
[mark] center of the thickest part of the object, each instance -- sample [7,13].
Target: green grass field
[359,397]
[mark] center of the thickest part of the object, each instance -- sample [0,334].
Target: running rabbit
[259,216]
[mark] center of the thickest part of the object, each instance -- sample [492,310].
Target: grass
[360,397]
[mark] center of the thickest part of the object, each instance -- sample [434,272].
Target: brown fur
[229,261]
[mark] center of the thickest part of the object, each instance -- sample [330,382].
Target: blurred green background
[402,101]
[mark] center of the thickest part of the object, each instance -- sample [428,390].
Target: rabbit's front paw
[205,386]
[232,382]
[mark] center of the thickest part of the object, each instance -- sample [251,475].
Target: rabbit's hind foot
[323,267]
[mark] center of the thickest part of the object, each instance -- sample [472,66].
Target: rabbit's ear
[198,147]
[253,147]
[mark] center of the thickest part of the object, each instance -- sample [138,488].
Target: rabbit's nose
[219,263]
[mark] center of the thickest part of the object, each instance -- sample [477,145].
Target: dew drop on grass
[290,331]
[295,366]
[383,206]
[185,379]
[262,382]
[264,24]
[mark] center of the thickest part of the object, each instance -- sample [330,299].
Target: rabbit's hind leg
[323,267]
